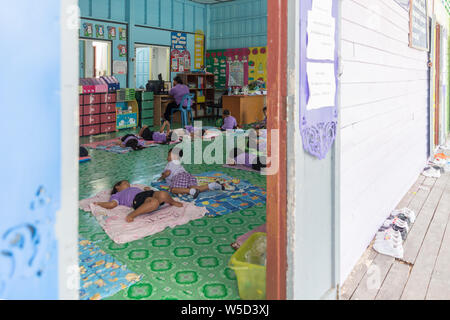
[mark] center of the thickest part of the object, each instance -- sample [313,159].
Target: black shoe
[197,192]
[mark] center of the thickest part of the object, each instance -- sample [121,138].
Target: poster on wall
[418,25]
[257,65]
[122,50]
[216,63]
[318,75]
[180,58]
[199,60]
[99,31]
[112,33]
[122,34]
[87,29]
[120,67]
[237,67]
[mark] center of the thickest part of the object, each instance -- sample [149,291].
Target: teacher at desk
[178,91]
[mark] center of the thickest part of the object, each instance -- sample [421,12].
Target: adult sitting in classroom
[178,91]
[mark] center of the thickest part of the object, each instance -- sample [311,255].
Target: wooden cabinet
[246,109]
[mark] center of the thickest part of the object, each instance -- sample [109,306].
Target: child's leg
[164,197]
[149,205]
[142,130]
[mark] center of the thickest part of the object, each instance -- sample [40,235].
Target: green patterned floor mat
[186,262]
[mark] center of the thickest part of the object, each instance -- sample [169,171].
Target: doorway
[95,58]
[151,61]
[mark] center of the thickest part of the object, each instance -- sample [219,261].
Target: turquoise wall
[147,21]
[237,24]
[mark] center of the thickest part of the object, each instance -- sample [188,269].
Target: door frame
[276,120]
[437,93]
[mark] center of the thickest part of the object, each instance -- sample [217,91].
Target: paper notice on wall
[321,36]
[322,85]
[120,67]
[323,5]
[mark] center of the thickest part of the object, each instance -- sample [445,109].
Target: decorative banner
[122,50]
[112,33]
[122,34]
[318,75]
[216,63]
[257,65]
[180,58]
[100,31]
[88,30]
[418,25]
[237,67]
[199,60]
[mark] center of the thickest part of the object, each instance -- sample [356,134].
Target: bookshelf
[202,86]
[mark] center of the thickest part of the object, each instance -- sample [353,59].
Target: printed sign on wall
[180,58]
[99,31]
[199,61]
[122,50]
[122,34]
[418,24]
[87,29]
[318,75]
[112,33]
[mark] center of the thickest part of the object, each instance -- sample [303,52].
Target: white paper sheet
[321,36]
[322,85]
[323,5]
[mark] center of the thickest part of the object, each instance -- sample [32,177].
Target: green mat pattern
[187,262]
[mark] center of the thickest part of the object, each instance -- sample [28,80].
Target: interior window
[150,62]
[95,58]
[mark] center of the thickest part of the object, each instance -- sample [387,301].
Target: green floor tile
[186,262]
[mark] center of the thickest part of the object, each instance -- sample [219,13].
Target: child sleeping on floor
[131,141]
[160,137]
[141,201]
[247,159]
[182,182]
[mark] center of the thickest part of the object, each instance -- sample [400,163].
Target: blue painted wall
[31,163]
[237,24]
[148,21]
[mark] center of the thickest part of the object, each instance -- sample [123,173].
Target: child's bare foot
[130,219]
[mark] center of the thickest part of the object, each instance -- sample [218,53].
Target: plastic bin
[251,276]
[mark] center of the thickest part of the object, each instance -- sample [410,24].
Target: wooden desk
[246,109]
[160,105]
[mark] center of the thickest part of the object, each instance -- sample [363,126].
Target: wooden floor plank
[419,228]
[439,288]
[373,278]
[419,279]
[395,281]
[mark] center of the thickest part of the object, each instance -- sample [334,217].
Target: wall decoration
[418,25]
[199,59]
[87,29]
[99,31]
[112,33]
[237,67]
[122,50]
[318,75]
[180,58]
[257,65]
[120,67]
[122,34]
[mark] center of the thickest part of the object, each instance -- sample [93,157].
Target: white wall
[384,119]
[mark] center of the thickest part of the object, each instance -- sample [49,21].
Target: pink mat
[240,167]
[120,231]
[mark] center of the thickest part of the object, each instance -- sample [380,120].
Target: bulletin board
[180,57]
[254,60]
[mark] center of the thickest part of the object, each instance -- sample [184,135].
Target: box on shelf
[91,109]
[91,130]
[90,120]
[108,127]
[144,95]
[108,108]
[108,117]
[91,99]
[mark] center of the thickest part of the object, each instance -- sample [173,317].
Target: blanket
[120,231]
[239,194]
[101,275]
[112,146]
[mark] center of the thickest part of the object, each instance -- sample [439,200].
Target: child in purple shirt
[141,201]
[229,122]
[131,141]
[248,159]
[160,137]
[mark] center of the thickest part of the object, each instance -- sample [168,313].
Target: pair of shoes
[406,212]
[197,192]
[389,242]
[397,224]
[432,172]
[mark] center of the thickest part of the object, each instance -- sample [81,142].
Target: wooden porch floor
[424,271]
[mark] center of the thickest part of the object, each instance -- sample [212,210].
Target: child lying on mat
[180,181]
[247,159]
[162,136]
[141,201]
[131,141]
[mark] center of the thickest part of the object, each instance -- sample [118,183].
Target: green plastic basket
[251,277]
